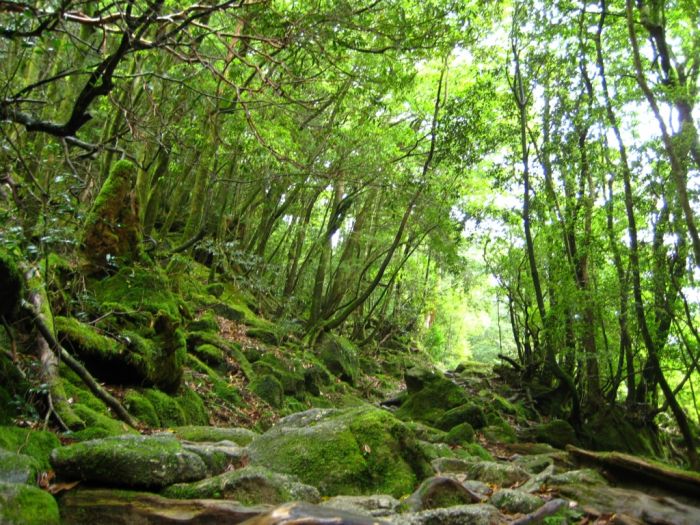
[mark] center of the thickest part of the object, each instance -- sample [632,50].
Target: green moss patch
[431,402]
[240,436]
[24,505]
[35,443]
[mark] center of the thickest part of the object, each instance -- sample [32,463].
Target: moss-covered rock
[467,413]
[25,505]
[612,429]
[18,468]
[438,492]
[269,388]
[339,356]
[11,284]
[37,444]
[557,433]
[501,474]
[240,436]
[141,408]
[112,228]
[288,373]
[355,451]
[516,501]
[249,486]
[418,377]
[129,461]
[500,433]
[219,457]
[97,421]
[460,434]
[431,402]
[210,354]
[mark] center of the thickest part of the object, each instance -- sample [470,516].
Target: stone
[441,465]
[418,377]
[431,402]
[501,474]
[240,436]
[269,388]
[22,504]
[478,514]
[516,501]
[460,434]
[437,492]
[129,461]
[249,486]
[220,456]
[339,356]
[307,514]
[125,507]
[18,468]
[376,505]
[466,413]
[557,433]
[354,451]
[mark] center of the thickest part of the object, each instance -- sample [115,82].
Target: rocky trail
[464,440]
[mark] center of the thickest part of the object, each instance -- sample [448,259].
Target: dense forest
[238,210]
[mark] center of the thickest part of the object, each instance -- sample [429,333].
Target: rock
[249,486]
[418,377]
[37,444]
[431,402]
[269,388]
[534,464]
[240,436]
[441,465]
[354,451]
[21,504]
[502,474]
[501,433]
[427,433]
[220,456]
[18,468]
[129,461]
[307,514]
[438,492]
[466,413]
[339,356]
[378,505]
[516,501]
[557,433]
[478,514]
[460,434]
[122,507]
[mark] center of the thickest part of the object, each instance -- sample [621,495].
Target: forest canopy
[384,170]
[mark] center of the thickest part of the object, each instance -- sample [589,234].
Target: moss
[466,413]
[221,388]
[285,372]
[205,323]
[215,289]
[339,356]
[169,411]
[18,468]
[430,403]
[557,433]
[476,450]
[459,434]
[233,350]
[269,388]
[25,505]
[11,284]
[502,433]
[193,407]
[357,451]
[34,443]
[84,339]
[141,408]
[96,420]
[112,227]
[13,387]
[240,436]
[209,354]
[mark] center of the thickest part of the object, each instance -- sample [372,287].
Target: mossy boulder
[112,228]
[438,492]
[467,413]
[249,486]
[516,501]
[37,444]
[129,461]
[502,474]
[612,429]
[460,434]
[418,377]
[499,433]
[11,284]
[354,451]
[431,402]
[22,504]
[556,432]
[158,409]
[340,357]
[269,388]
[18,468]
[287,372]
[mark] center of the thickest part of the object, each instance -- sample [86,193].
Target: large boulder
[22,504]
[249,486]
[126,507]
[129,461]
[430,403]
[356,451]
[17,468]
